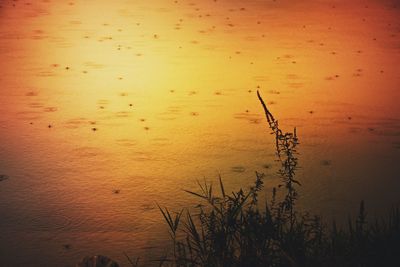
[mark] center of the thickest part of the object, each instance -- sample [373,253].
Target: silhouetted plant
[230,230]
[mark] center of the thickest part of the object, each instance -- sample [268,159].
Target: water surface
[108,107]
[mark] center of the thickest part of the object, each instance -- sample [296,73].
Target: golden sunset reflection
[109,107]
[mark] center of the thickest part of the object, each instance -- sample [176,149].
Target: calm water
[145,97]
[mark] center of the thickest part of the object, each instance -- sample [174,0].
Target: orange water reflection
[145,98]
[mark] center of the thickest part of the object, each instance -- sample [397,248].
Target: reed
[231,230]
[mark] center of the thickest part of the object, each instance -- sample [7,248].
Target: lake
[109,107]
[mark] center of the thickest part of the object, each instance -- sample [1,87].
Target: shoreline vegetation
[233,229]
[236,230]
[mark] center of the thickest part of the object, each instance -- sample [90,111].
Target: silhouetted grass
[233,229]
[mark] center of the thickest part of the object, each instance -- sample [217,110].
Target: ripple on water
[326,162]
[122,114]
[36,105]
[126,142]
[32,93]
[47,222]
[29,115]
[261,78]
[50,109]
[238,169]
[396,145]
[250,117]
[86,151]
[76,123]
[3,177]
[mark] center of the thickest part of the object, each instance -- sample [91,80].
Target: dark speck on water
[326,162]
[267,166]
[3,177]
